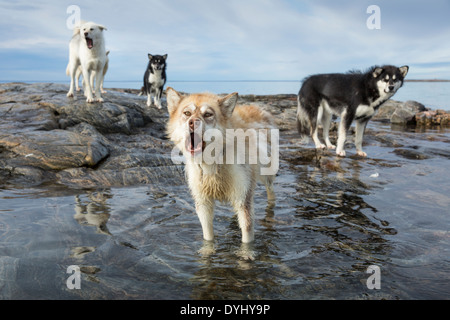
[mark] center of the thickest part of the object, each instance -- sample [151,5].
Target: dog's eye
[187,113]
[208,115]
[92,29]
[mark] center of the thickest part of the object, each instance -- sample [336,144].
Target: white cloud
[29,43]
[235,39]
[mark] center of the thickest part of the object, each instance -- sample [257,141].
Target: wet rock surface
[47,137]
[61,161]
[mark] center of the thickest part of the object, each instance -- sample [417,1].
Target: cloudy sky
[229,40]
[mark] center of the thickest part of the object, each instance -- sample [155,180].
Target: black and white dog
[155,79]
[351,96]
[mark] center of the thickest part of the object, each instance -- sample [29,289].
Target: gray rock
[403,116]
[105,117]
[22,117]
[53,150]
[90,178]
[398,112]
[47,137]
[386,110]
[406,112]
[411,154]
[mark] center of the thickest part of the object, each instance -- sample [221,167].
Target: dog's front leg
[149,97]
[157,98]
[326,122]
[246,217]
[359,133]
[72,72]
[98,81]
[344,125]
[205,213]
[93,82]
[88,88]
[78,80]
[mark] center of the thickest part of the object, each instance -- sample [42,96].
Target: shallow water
[333,219]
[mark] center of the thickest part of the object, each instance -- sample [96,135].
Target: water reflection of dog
[94,211]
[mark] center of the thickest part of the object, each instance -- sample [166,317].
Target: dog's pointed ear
[404,70]
[76,29]
[173,100]
[165,56]
[377,71]
[150,56]
[228,103]
[102,27]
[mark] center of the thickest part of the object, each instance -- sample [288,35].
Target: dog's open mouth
[195,144]
[90,43]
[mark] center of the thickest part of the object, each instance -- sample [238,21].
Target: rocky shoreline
[47,138]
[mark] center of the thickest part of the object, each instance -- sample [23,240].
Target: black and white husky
[351,96]
[155,79]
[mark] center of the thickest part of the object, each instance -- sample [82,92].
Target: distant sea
[433,94]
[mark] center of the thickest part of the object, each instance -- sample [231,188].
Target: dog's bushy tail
[303,119]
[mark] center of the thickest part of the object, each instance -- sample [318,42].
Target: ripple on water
[331,221]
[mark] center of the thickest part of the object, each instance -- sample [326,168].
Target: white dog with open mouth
[87,49]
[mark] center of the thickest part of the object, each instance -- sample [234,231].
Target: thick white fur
[90,60]
[80,73]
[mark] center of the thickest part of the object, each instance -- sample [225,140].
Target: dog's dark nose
[391,88]
[86,34]
[194,124]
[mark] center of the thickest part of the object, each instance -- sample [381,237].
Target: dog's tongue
[90,43]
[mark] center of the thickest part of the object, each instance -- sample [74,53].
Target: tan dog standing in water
[215,169]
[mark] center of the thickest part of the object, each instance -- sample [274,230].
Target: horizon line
[60,81]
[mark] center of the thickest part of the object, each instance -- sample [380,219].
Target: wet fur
[232,183]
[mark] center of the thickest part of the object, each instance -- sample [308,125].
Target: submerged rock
[411,154]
